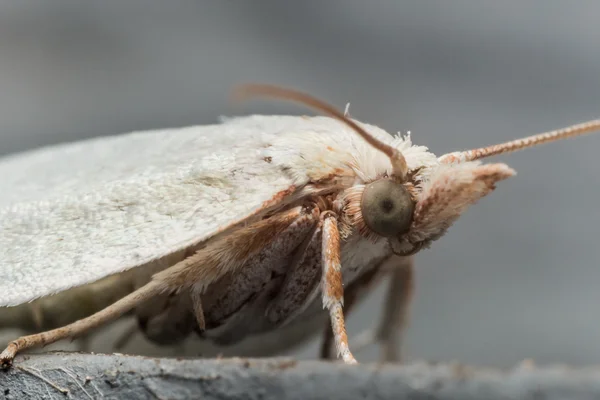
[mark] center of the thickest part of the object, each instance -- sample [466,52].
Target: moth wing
[74,213]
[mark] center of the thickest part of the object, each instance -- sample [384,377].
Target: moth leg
[82,326]
[332,285]
[389,333]
[198,310]
[351,297]
[327,345]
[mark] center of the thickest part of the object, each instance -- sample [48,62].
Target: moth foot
[8,355]
[351,361]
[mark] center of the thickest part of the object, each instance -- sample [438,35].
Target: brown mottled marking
[337,176]
[278,197]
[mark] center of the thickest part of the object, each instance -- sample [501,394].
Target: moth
[248,227]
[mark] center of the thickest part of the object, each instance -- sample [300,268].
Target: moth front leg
[352,295]
[332,285]
[389,332]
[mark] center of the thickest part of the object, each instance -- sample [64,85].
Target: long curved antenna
[523,143]
[399,167]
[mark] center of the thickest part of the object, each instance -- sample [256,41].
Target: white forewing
[74,213]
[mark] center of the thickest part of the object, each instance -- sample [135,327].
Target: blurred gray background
[517,277]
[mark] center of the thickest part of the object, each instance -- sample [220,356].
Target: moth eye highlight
[387,207]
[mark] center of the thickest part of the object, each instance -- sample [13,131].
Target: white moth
[238,227]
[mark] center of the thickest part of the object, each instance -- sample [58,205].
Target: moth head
[403,207]
[460,180]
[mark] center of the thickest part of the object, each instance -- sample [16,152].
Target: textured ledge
[88,376]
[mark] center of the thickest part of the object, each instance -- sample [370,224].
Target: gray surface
[102,376]
[517,277]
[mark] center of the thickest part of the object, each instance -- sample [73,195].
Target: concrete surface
[80,376]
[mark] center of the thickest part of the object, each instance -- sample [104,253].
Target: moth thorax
[387,207]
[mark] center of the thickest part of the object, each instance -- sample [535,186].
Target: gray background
[516,277]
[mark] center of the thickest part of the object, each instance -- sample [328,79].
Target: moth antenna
[399,166]
[523,143]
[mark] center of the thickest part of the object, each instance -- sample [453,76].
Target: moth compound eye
[387,207]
